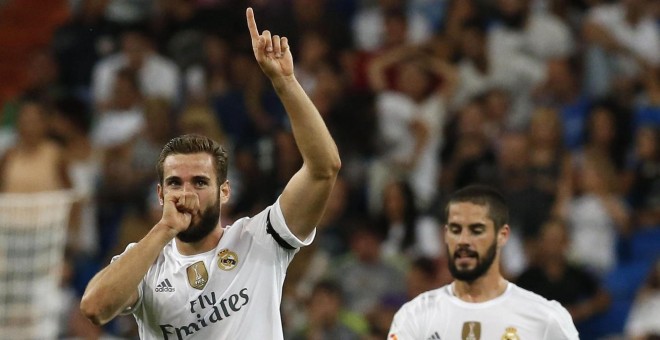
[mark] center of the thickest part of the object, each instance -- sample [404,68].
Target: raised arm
[305,196]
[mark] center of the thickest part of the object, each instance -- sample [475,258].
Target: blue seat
[607,324]
[645,244]
[624,281]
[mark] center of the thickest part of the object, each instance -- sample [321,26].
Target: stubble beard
[483,265]
[208,221]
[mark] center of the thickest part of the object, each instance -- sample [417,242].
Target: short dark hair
[193,143]
[482,195]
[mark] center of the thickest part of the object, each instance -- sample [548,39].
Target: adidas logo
[164,286]
[434,336]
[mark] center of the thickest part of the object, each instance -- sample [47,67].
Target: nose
[188,187]
[464,237]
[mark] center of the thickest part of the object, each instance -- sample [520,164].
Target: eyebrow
[195,178]
[169,178]
[471,226]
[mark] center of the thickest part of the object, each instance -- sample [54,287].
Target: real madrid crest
[197,275]
[227,259]
[471,330]
[510,334]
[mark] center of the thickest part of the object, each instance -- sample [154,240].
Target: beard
[469,275]
[206,224]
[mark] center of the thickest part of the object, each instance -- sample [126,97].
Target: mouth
[465,256]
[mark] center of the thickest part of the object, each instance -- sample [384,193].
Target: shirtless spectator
[34,163]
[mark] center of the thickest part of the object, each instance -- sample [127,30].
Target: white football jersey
[518,314]
[231,292]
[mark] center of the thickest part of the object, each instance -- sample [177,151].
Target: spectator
[642,323]
[621,37]
[602,135]
[554,278]
[35,163]
[595,213]
[71,125]
[479,71]
[410,234]
[81,42]
[469,156]
[363,275]
[157,76]
[549,163]
[410,121]
[644,175]
[327,318]
[521,31]
[122,119]
[369,25]
[562,92]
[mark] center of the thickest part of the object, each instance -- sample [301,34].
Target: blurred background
[555,102]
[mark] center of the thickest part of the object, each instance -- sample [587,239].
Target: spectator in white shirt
[621,37]
[369,25]
[157,75]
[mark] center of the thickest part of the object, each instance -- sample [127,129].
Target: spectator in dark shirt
[554,278]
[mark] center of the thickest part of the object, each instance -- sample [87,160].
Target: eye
[455,230]
[478,231]
[173,182]
[201,183]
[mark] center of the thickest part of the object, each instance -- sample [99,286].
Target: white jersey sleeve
[560,324]
[281,230]
[404,326]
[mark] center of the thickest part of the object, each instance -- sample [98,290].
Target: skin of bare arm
[305,196]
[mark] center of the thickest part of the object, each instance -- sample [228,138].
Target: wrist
[163,232]
[281,83]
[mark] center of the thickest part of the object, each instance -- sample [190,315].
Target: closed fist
[179,209]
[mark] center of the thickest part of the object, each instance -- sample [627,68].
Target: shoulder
[606,13]
[545,20]
[530,297]
[552,310]
[162,63]
[391,97]
[426,301]
[110,63]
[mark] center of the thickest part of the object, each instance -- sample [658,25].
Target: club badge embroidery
[227,259]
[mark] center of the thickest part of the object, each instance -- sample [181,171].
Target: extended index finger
[252,25]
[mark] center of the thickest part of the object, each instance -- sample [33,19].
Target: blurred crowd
[554,102]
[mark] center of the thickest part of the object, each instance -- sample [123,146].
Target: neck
[207,243]
[30,145]
[554,268]
[485,288]
[482,64]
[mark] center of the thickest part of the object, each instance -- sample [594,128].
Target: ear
[503,235]
[161,198]
[225,192]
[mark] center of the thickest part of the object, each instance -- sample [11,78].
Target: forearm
[316,146]
[109,292]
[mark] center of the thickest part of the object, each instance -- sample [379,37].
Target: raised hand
[272,52]
[178,210]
